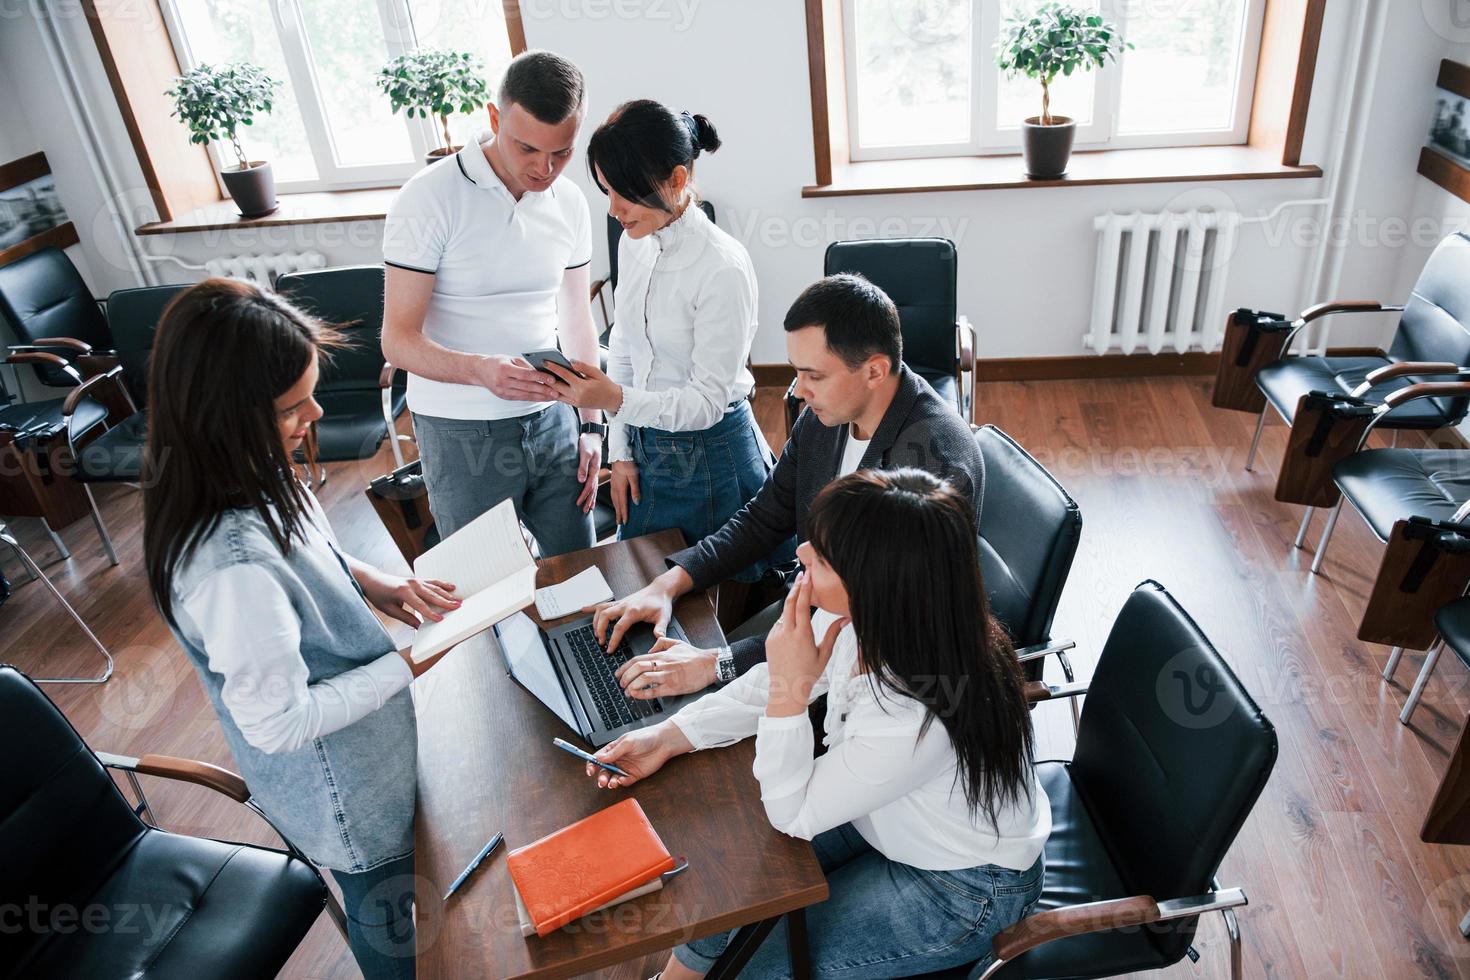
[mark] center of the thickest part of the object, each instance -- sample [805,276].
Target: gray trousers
[470,466]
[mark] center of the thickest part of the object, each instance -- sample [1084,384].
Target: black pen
[474,864]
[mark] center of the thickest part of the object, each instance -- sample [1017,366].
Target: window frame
[396,19]
[987,138]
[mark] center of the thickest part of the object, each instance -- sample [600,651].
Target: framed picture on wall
[31,215]
[1445,159]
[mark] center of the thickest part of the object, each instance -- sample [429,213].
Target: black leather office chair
[1434,331]
[75,848]
[1170,759]
[605,286]
[1029,530]
[51,309]
[361,394]
[920,276]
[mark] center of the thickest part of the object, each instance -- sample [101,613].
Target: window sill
[295,209]
[1092,167]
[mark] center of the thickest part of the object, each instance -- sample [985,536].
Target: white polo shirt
[497,265]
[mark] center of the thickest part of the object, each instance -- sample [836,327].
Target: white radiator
[263,269]
[1160,280]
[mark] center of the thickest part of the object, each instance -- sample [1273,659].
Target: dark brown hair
[546,85]
[903,543]
[224,351]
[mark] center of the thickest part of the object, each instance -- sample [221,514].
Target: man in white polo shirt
[485,258]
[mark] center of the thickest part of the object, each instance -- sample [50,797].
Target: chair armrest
[89,389]
[965,343]
[597,287]
[1038,691]
[1405,368]
[70,343]
[1118,913]
[1038,650]
[184,770]
[1427,389]
[385,376]
[21,355]
[1345,306]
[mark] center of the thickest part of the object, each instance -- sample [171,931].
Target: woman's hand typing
[793,656]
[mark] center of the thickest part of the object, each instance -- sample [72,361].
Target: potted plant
[435,83]
[1058,38]
[214,102]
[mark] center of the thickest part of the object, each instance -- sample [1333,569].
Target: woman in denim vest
[682,440]
[309,687]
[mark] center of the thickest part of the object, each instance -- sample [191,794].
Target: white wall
[1026,256]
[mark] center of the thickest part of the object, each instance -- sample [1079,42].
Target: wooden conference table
[486,764]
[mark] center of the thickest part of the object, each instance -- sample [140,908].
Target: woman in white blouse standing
[925,811]
[683,443]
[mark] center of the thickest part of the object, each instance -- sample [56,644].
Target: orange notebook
[581,868]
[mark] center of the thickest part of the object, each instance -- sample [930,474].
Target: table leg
[742,947]
[796,945]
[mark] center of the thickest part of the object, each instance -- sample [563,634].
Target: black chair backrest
[1029,529]
[1171,754]
[615,235]
[43,295]
[134,315]
[351,298]
[64,822]
[1435,325]
[919,275]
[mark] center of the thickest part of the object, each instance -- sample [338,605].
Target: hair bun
[705,136]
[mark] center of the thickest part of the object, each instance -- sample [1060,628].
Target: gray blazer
[920,429]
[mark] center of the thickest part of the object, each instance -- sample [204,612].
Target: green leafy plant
[214,102]
[435,83]
[1056,40]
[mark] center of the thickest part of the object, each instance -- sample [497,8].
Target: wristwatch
[595,428]
[724,665]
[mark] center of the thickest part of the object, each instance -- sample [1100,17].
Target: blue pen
[588,757]
[494,841]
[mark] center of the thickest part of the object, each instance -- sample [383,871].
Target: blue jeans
[695,481]
[883,919]
[470,466]
[379,907]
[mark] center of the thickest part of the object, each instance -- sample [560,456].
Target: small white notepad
[575,594]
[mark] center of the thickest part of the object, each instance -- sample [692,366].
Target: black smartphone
[538,359]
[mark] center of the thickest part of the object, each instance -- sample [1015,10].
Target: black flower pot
[434,156]
[253,189]
[1047,148]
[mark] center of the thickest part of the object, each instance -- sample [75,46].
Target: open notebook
[493,573]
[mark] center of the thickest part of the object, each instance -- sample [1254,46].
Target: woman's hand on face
[399,598]
[640,753]
[793,656]
[624,487]
[587,388]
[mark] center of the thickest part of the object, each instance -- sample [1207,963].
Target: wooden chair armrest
[965,343]
[597,287]
[89,389]
[1344,306]
[70,343]
[36,357]
[385,376]
[184,770]
[1074,920]
[1427,389]
[1406,368]
[1038,691]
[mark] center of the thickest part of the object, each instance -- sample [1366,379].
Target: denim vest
[346,799]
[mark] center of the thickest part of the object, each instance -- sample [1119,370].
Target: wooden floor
[1339,883]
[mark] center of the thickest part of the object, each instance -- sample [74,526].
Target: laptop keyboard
[598,670]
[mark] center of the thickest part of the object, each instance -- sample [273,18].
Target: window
[922,81]
[331,127]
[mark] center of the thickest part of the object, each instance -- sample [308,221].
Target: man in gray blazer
[864,410]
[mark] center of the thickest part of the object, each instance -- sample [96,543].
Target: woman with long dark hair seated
[925,811]
[309,687]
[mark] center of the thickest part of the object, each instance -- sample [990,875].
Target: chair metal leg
[36,572]
[392,428]
[1465,926]
[1430,659]
[1326,536]
[1301,532]
[1232,926]
[1072,702]
[1250,458]
[56,541]
[16,548]
[1393,662]
[339,917]
[101,528]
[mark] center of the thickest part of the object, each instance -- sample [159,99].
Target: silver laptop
[567,670]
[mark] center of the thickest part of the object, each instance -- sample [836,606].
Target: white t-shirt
[497,263]
[852,453]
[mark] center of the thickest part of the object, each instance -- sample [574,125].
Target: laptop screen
[530,664]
